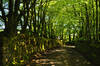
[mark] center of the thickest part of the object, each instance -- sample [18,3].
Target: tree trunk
[99,19]
[69,36]
[34,20]
[87,23]
[97,23]
[11,25]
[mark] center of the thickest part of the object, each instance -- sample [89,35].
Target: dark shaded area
[70,43]
[1,45]
[89,51]
[1,52]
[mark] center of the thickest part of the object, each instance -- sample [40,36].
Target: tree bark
[97,23]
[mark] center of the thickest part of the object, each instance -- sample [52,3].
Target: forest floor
[64,56]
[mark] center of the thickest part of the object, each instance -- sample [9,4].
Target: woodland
[28,27]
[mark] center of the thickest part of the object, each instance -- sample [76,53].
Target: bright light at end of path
[71,46]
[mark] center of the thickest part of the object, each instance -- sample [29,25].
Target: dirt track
[65,56]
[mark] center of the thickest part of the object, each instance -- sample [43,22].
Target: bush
[90,50]
[21,47]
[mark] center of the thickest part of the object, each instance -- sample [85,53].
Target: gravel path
[65,56]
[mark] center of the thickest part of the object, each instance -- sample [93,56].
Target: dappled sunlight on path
[65,56]
[70,46]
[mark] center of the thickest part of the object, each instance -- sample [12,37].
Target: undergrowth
[91,50]
[19,49]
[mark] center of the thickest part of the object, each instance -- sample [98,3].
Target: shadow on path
[65,56]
